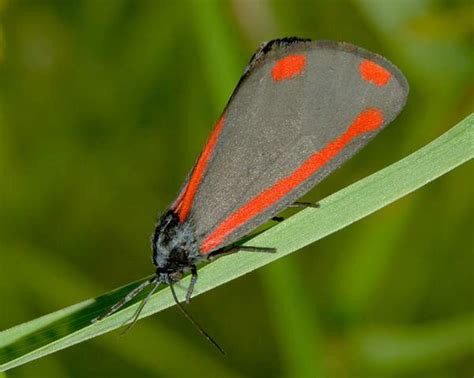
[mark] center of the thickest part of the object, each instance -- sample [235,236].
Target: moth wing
[300,110]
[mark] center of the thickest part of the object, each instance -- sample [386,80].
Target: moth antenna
[132,294]
[193,322]
[140,308]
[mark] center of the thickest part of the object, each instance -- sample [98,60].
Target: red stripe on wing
[368,120]
[183,204]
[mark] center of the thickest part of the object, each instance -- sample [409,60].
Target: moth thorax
[172,243]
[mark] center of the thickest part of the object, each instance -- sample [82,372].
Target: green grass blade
[71,325]
[129,349]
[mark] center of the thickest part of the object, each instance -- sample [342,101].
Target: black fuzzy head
[175,248]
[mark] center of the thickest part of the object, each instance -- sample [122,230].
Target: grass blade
[71,325]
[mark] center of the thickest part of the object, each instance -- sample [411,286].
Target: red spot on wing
[374,73]
[288,67]
[366,121]
[185,200]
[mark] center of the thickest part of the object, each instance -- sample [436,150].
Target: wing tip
[366,54]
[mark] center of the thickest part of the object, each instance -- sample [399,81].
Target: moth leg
[254,249]
[305,204]
[225,252]
[297,204]
[192,283]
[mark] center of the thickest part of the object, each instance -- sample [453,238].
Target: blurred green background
[105,105]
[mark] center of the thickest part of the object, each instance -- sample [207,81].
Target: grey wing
[282,119]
